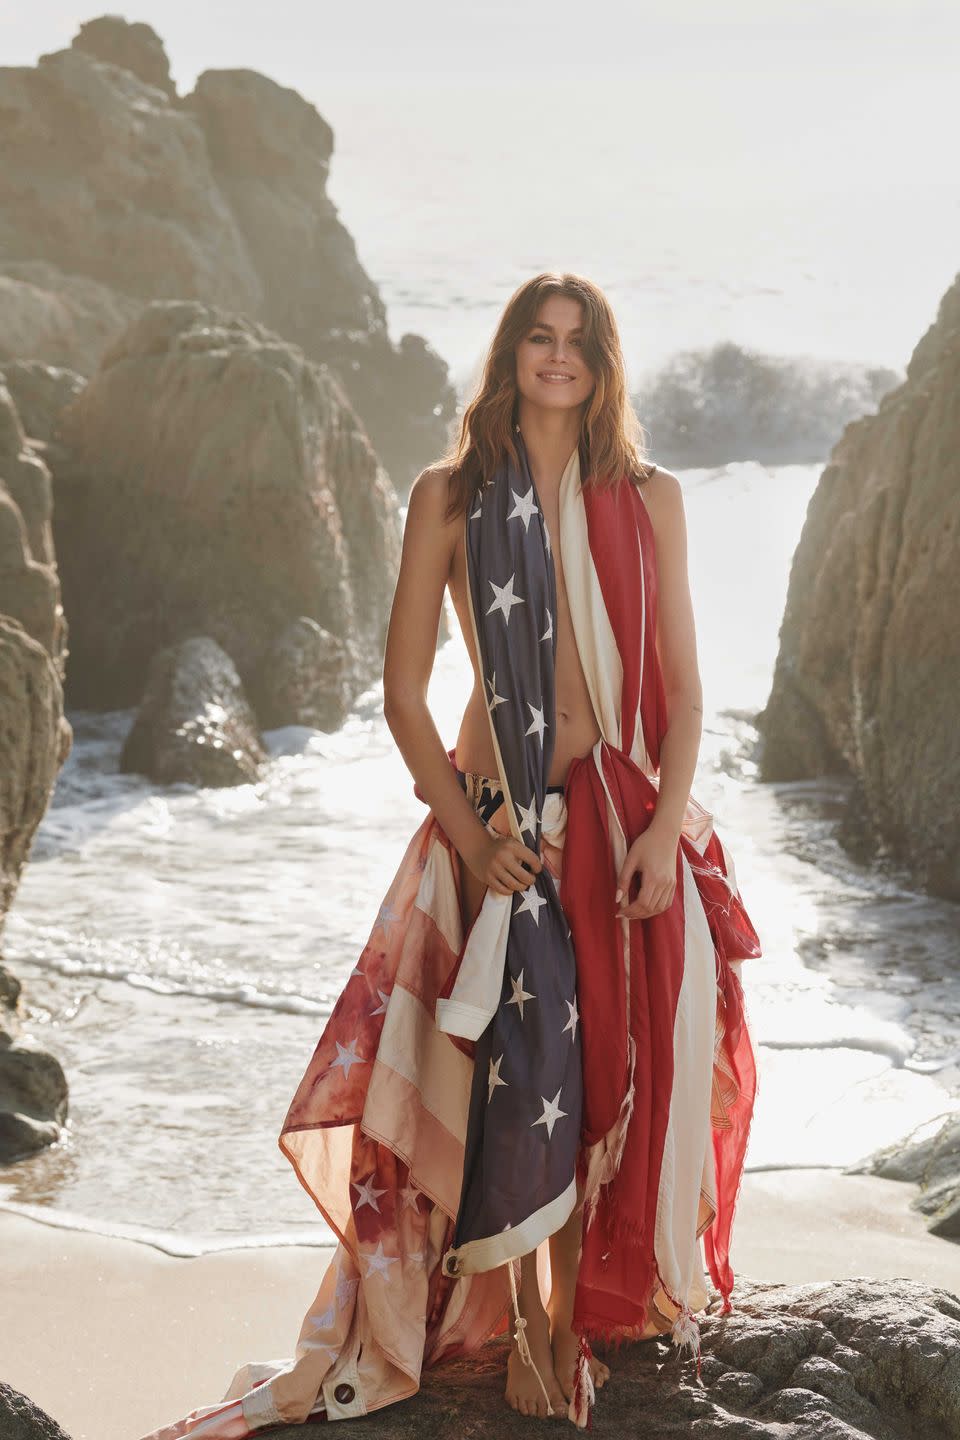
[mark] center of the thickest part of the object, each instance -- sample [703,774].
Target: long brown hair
[612,440]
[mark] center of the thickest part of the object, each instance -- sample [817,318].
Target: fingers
[530,857]
[514,874]
[651,900]
[513,866]
[520,866]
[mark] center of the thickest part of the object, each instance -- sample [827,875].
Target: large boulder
[307,679]
[146,217]
[21,1419]
[115,191]
[930,1159]
[843,1360]
[35,740]
[56,316]
[39,392]
[35,737]
[211,480]
[868,672]
[29,584]
[195,724]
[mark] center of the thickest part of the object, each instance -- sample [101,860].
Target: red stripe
[623,549]
[618,1266]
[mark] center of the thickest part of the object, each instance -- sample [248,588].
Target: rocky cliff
[34,742]
[867,679]
[115,191]
[210,480]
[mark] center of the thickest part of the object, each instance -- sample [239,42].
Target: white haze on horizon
[776,177]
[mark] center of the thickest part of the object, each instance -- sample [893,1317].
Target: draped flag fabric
[468,1076]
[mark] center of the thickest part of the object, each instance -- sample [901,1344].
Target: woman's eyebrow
[541,325]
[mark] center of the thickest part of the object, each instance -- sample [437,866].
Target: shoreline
[145,1337]
[188,1246]
[165,1242]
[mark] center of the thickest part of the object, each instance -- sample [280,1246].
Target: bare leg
[523,1390]
[564,1267]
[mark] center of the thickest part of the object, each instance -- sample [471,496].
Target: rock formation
[39,392]
[34,742]
[195,724]
[868,673]
[115,191]
[931,1161]
[844,1360]
[212,481]
[21,1419]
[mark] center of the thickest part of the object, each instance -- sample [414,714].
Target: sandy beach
[113,1337]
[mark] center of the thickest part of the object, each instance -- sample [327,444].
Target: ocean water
[710,205]
[180,949]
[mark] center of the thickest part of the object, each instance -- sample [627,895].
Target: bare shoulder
[662,494]
[432,486]
[429,494]
[429,538]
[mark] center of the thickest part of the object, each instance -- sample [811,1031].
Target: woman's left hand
[654,855]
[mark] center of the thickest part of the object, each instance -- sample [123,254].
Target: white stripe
[411,1044]
[491,1250]
[688,1124]
[596,642]
[437,895]
[638,749]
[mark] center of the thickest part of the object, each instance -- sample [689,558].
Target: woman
[556,338]
[544,1038]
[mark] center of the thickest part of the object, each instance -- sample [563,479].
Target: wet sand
[113,1337]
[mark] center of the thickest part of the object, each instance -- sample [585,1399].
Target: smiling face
[551,369]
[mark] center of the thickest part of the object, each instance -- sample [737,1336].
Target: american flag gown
[468,1076]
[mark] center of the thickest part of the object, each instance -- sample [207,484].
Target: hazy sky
[318,48]
[805,151]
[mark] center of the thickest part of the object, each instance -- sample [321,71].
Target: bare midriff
[577,730]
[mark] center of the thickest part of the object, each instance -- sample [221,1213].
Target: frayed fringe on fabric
[605,1164]
[584,1393]
[685,1334]
[601,1332]
[614,1334]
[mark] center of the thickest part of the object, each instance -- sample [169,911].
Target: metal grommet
[451,1265]
[344,1393]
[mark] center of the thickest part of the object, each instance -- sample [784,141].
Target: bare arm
[677,649]
[653,854]
[428,547]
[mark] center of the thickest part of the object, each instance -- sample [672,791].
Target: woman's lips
[554,377]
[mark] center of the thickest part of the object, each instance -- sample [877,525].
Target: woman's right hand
[503,863]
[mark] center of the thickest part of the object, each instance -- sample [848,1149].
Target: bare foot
[564,1344]
[523,1388]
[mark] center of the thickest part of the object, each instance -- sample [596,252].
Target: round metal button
[344,1393]
[452,1265]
